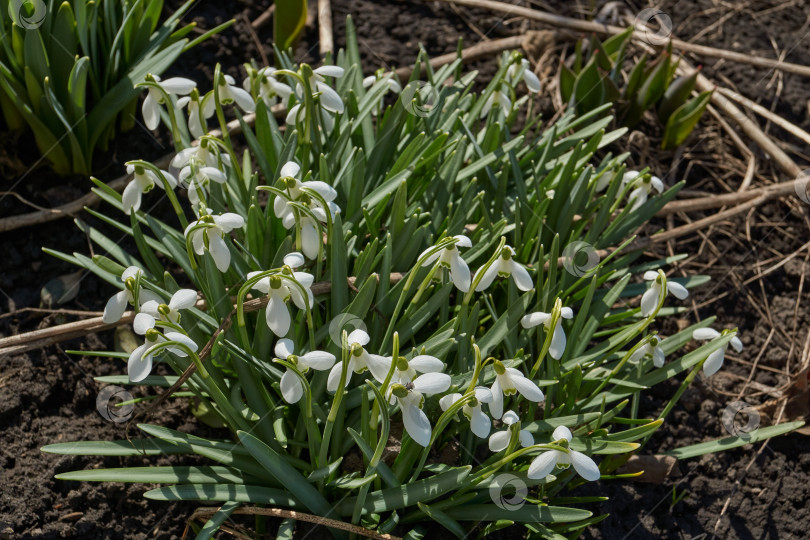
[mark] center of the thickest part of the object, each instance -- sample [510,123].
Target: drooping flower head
[508,382]
[208,233]
[359,360]
[715,360]
[291,387]
[558,340]
[139,364]
[280,288]
[178,86]
[480,424]
[504,266]
[653,349]
[523,71]
[116,305]
[411,398]
[450,260]
[500,439]
[544,464]
[653,296]
[143,180]
[152,310]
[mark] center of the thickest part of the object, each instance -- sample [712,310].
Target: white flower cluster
[308,207]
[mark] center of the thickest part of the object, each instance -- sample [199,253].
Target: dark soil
[48,396]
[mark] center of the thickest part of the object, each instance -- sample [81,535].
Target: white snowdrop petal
[115,307]
[705,333]
[294,259]
[521,276]
[461,273]
[480,424]
[330,100]
[650,275]
[378,366]
[277,316]
[489,276]
[432,383]
[229,221]
[178,85]
[183,299]
[219,252]
[736,344]
[526,439]
[358,336]
[329,71]
[181,338]
[714,362]
[498,441]
[462,241]
[534,319]
[416,424]
[333,380]
[151,114]
[558,341]
[510,417]
[496,405]
[584,466]
[284,348]
[562,432]
[542,465]
[310,241]
[290,168]
[142,323]
[291,387]
[150,307]
[531,80]
[528,389]
[679,291]
[483,394]
[425,363]
[243,99]
[131,198]
[446,401]
[138,366]
[658,357]
[649,302]
[318,360]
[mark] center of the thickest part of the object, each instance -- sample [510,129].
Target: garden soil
[49,396]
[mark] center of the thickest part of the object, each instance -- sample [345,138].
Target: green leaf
[289,19]
[728,443]
[177,474]
[527,513]
[684,120]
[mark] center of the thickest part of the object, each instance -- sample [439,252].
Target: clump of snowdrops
[377,308]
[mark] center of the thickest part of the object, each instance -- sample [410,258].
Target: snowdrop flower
[178,86]
[524,69]
[480,423]
[270,89]
[212,237]
[197,180]
[509,381]
[544,464]
[196,121]
[328,99]
[641,185]
[405,370]
[500,440]
[153,310]
[715,360]
[359,361]
[139,364]
[504,267]
[651,348]
[450,259]
[228,93]
[411,398]
[142,182]
[279,290]
[116,305]
[653,296]
[499,98]
[311,239]
[558,341]
[390,82]
[291,387]
[201,155]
